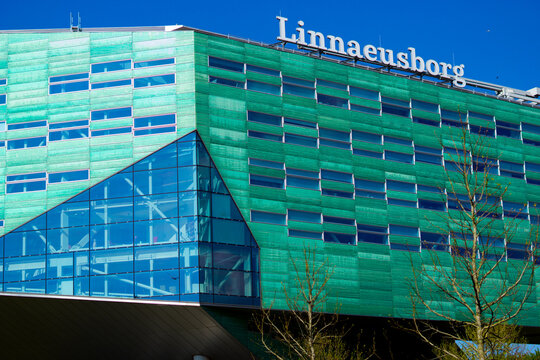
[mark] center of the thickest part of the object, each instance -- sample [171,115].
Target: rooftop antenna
[78,27]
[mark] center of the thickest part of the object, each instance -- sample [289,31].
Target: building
[161,176]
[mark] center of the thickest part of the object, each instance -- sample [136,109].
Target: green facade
[368,279]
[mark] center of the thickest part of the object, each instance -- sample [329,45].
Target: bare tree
[305,331]
[474,286]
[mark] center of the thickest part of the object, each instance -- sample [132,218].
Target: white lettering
[403,60]
[459,71]
[313,40]
[354,49]
[282,31]
[382,55]
[369,52]
[416,60]
[301,34]
[341,45]
[432,67]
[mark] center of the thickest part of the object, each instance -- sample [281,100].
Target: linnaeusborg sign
[408,61]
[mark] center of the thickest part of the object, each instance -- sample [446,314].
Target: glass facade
[165,228]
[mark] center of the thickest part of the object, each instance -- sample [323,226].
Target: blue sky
[496,40]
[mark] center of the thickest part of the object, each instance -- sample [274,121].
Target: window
[266,163]
[367,137]
[484,131]
[155,80]
[533,181]
[332,101]
[111,66]
[262,70]
[3,99]
[452,118]
[395,107]
[507,129]
[26,182]
[115,131]
[488,206]
[483,164]
[337,193]
[531,142]
[298,87]
[518,251]
[339,238]
[425,106]
[530,166]
[265,136]
[427,155]
[369,189]
[267,217]
[458,202]
[397,156]
[372,234]
[266,181]
[401,186]
[225,64]
[3,82]
[400,230]
[149,63]
[334,138]
[373,154]
[68,83]
[431,205]
[228,82]
[301,140]
[27,125]
[264,118]
[27,143]
[317,235]
[481,116]
[511,169]
[364,93]
[434,241]
[67,176]
[365,109]
[424,121]
[301,123]
[432,189]
[108,84]
[514,210]
[331,84]
[157,124]
[303,179]
[304,216]
[263,87]
[338,220]
[68,134]
[107,114]
[530,128]
[400,202]
[336,176]
[398,141]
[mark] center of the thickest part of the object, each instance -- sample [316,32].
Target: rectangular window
[67,176]
[68,134]
[317,235]
[514,210]
[434,241]
[431,205]
[336,176]
[369,189]
[458,202]
[427,155]
[68,83]
[400,202]
[267,217]
[338,220]
[301,140]
[400,230]
[532,166]
[225,64]
[398,141]
[26,182]
[304,216]
[365,109]
[27,125]
[265,136]
[372,234]
[115,131]
[298,87]
[372,154]
[262,70]
[482,164]
[263,87]
[484,131]
[27,143]
[68,124]
[488,206]
[367,137]
[332,101]
[530,128]
[401,186]
[432,189]
[511,169]
[477,115]
[303,179]
[331,84]
[339,238]
[395,107]
[149,63]
[111,66]
[364,93]
[424,121]
[155,80]
[155,130]
[156,124]
[3,99]
[228,82]
[533,181]
[453,118]
[397,156]
[518,251]
[456,166]
[266,163]
[334,138]
[109,84]
[107,114]
[425,106]
[264,118]
[337,193]
[266,181]
[507,129]
[531,142]
[301,123]
[3,82]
